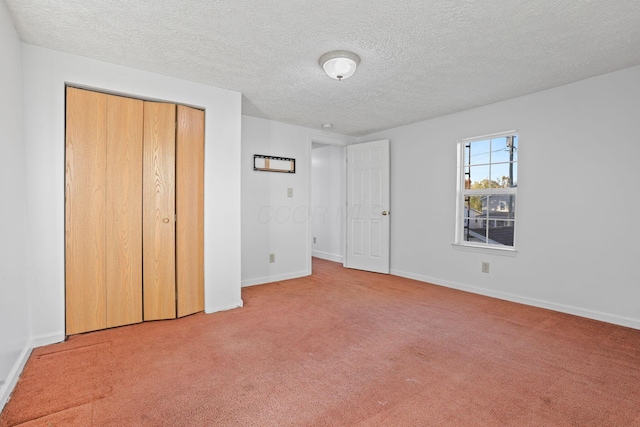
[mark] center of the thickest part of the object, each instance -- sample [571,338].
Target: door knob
[385,213]
[165,220]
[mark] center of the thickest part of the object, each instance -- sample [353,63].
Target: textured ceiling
[420,58]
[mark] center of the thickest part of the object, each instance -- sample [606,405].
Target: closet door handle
[165,220]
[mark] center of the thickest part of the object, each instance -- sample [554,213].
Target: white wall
[579,153]
[328,184]
[273,223]
[45,75]
[14,286]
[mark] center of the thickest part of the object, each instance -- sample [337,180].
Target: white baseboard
[327,256]
[14,374]
[12,379]
[562,308]
[43,340]
[270,279]
[216,309]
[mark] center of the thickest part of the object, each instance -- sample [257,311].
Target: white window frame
[461,192]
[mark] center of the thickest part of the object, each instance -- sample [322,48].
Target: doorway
[337,226]
[327,199]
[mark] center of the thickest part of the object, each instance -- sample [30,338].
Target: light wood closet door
[190,210]
[103,211]
[159,266]
[124,211]
[85,200]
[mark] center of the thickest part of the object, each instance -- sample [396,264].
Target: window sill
[510,251]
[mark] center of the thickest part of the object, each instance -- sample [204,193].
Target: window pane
[501,234]
[477,152]
[501,175]
[476,235]
[474,205]
[499,150]
[499,207]
[479,176]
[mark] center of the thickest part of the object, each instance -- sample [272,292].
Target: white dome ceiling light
[339,64]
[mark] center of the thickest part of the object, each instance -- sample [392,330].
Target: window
[487,190]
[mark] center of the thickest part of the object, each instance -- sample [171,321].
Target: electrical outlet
[289,192]
[485,267]
[272,258]
[314,240]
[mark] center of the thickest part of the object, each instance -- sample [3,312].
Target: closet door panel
[159,291]
[124,211]
[190,210]
[85,154]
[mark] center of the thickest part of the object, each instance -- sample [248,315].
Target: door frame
[328,140]
[143,99]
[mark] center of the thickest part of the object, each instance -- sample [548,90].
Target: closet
[134,210]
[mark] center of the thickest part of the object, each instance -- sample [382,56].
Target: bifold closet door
[132,168]
[159,240]
[85,200]
[190,210]
[124,211]
[173,203]
[103,211]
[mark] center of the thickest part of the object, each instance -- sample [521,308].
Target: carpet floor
[340,348]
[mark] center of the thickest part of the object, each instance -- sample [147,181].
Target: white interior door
[368,206]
